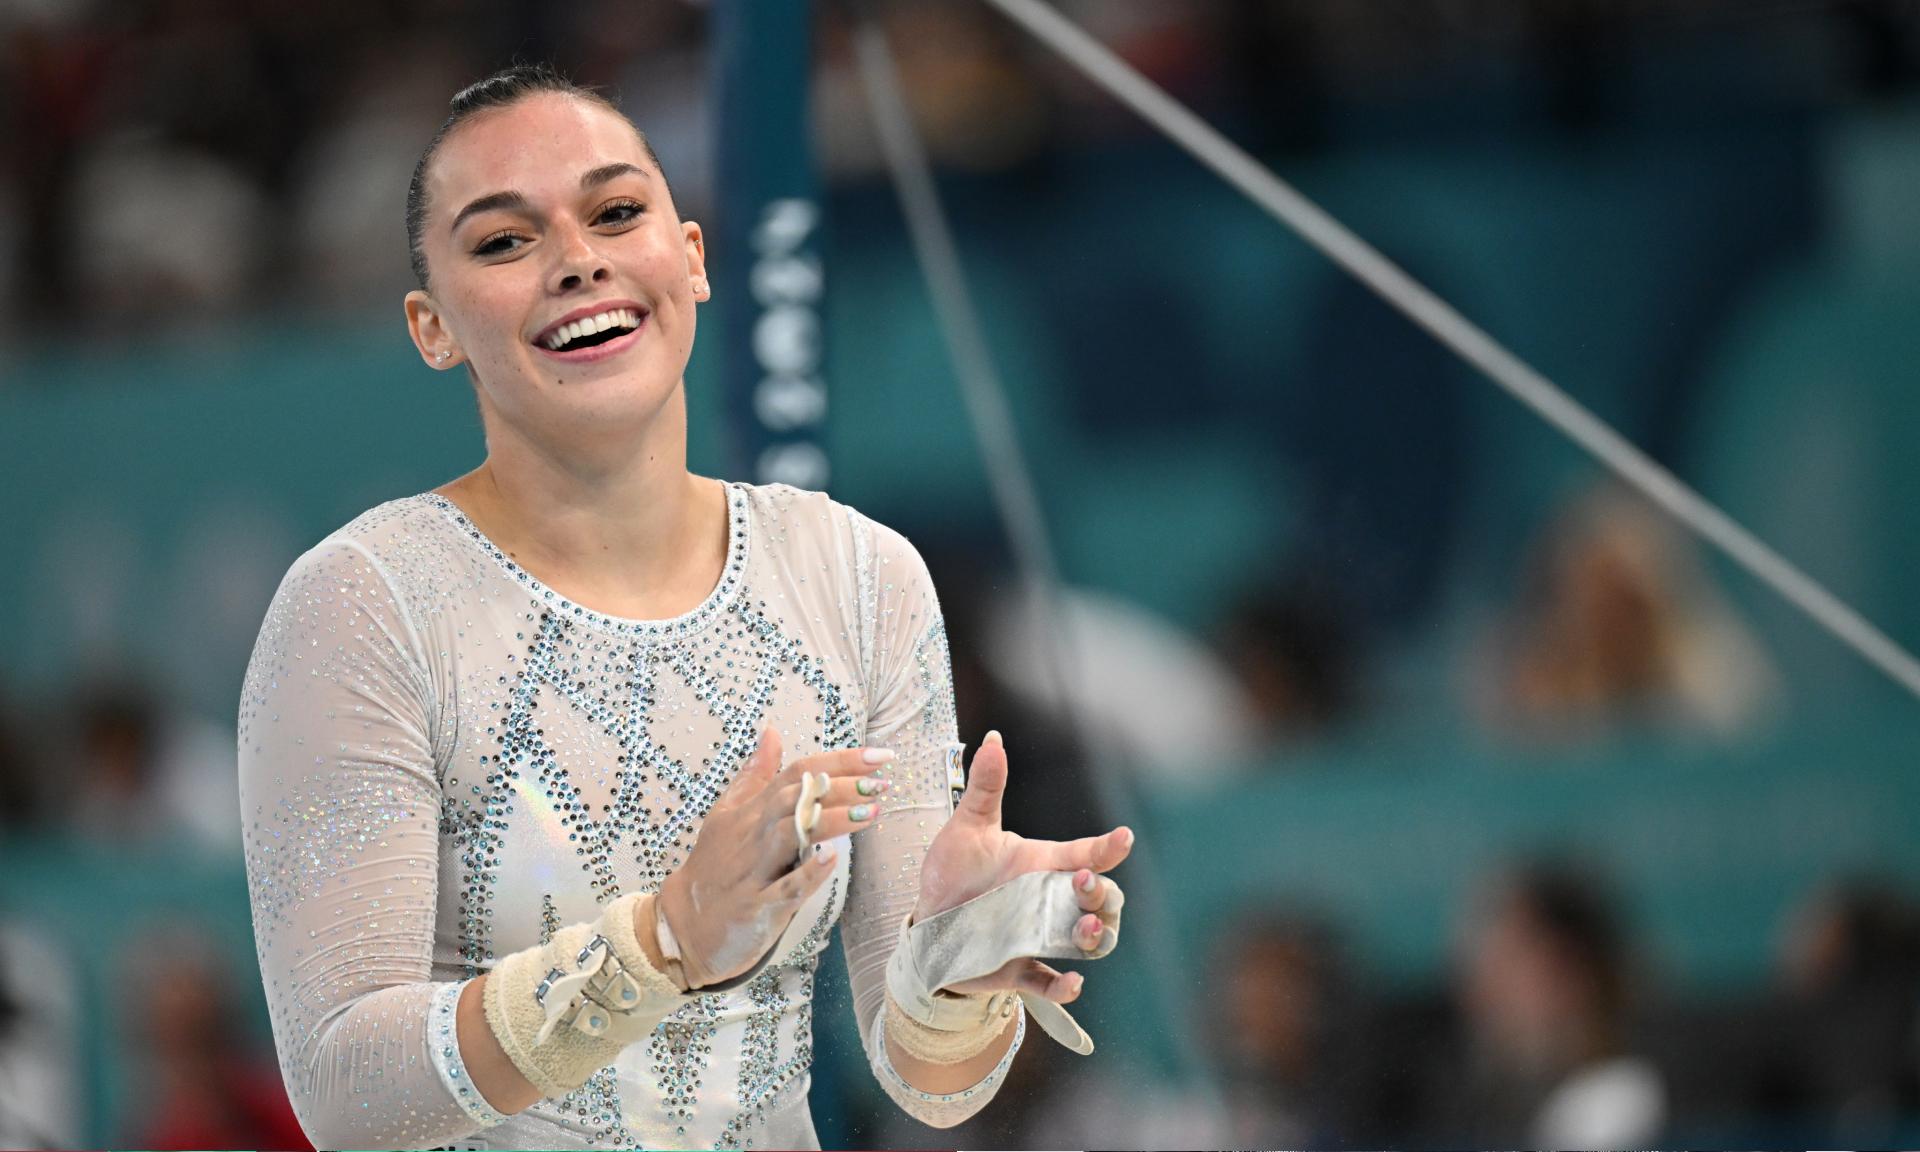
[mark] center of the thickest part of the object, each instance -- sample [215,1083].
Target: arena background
[1441,748]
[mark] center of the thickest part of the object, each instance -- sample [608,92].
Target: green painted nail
[861,811]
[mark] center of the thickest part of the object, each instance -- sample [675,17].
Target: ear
[430,333]
[696,248]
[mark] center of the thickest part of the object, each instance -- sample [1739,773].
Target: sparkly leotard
[442,762]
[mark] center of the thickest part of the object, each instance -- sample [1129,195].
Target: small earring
[441,357]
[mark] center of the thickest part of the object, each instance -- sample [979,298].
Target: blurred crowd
[175,162]
[170,164]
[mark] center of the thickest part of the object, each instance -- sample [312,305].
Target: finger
[1040,980]
[849,790]
[1086,933]
[794,887]
[846,818]
[846,805]
[986,783]
[1094,853]
[842,763]
[756,773]
[786,797]
[1091,890]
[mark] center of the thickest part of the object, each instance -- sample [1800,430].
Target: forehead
[538,146]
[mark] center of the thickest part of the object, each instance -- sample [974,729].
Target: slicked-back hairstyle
[503,89]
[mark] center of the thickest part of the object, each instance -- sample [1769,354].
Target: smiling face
[559,271]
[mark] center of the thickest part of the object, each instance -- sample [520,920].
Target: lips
[592,331]
[593,352]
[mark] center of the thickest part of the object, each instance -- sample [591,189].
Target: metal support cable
[1466,339]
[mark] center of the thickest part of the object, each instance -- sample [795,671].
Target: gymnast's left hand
[973,854]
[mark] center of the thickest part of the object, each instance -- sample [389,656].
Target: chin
[626,403]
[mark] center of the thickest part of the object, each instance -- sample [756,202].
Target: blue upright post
[768,282]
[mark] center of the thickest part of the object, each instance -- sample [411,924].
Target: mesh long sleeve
[910,694]
[341,806]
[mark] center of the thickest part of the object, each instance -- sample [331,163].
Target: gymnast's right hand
[745,878]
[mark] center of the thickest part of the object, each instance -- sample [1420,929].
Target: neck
[617,524]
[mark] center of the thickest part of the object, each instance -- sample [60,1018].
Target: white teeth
[574,330]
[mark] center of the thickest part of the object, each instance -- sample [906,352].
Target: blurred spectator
[1143,690]
[1618,625]
[1284,1004]
[1280,1011]
[1051,797]
[54,63]
[1850,966]
[142,774]
[22,788]
[116,728]
[1544,993]
[203,1087]
[40,1025]
[165,231]
[1291,649]
[350,181]
[976,105]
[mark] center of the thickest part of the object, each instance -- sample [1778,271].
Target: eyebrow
[488,203]
[514,200]
[607,172]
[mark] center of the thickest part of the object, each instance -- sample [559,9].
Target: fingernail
[877,756]
[825,859]
[861,811]
[867,786]
[993,737]
[1087,884]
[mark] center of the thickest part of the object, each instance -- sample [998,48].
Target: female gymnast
[555,779]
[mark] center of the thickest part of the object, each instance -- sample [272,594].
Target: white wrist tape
[1029,916]
[564,1010]
[807,809]
[993,1012]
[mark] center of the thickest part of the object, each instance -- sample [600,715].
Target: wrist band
[564,1010]
[943,1046]
[1029,916]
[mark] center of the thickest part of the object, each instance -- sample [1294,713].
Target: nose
[578,262]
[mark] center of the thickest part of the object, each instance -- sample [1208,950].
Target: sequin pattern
[763,1074]
[444,1051]
[444,761]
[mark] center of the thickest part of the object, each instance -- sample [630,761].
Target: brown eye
[497,244]
[621,212]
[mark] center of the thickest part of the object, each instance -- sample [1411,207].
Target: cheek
[488,320]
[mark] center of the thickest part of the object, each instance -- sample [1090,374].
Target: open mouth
[591,331]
